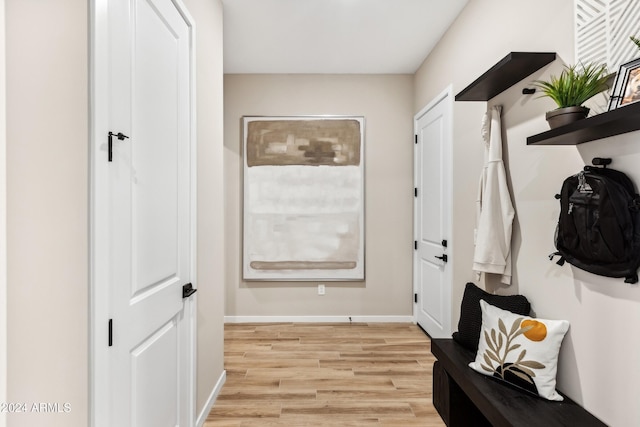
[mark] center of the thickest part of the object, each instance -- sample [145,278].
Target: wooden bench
[465,398]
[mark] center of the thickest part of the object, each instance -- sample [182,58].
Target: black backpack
[599,225]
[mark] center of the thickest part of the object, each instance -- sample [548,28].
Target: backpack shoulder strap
[561,261]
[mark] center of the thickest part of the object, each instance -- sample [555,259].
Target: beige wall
[482,35]
[385,101]
[598,359]
[3,219]
[207,15]
[47,218]
[47,197]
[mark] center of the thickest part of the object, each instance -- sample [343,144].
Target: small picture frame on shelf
[626,89]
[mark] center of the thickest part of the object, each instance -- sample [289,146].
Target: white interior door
[144,238]
[432,212]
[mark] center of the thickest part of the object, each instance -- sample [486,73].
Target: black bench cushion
[470,321]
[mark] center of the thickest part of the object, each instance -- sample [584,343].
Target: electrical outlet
[320,289]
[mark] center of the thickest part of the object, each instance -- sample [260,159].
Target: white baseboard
[202,417]
[319,319]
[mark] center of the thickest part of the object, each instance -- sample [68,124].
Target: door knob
[443,257]
[187,290]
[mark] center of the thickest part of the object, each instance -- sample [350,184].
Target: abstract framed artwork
[303,198]
[626,89]
[602,30]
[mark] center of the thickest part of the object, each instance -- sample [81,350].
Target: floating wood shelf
[509,71]
[621,120]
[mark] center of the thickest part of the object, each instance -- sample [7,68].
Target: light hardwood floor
[325,375]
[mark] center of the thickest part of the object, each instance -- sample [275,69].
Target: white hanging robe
[494,210]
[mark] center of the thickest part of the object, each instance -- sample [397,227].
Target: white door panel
[431,294]
[153,355]
[152,213]
[432,211]
[147,230]
[429,137]
[158,161]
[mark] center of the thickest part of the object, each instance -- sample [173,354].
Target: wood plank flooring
[325,375]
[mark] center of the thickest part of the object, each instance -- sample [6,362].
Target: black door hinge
[415,298]
[110,332]
[415,192]
[416,139]
[120,137]
[415,245]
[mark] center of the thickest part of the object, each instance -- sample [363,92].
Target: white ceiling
[333,36]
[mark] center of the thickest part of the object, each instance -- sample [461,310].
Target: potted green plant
[636,41]
[575,85]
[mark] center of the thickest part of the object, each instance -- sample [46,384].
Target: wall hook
[601,161]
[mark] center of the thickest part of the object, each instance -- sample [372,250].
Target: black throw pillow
[470,322]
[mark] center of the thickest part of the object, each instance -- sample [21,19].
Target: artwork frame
[595,42]
[626,89]
[303,198]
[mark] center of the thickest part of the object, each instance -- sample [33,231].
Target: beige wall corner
[596,354]
[207,15]
[385,102]
[47,202]
[3,219]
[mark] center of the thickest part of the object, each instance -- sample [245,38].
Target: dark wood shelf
[509,71]
[621,120]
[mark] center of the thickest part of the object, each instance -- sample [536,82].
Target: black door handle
[443,257]
[187,290]
[121,136]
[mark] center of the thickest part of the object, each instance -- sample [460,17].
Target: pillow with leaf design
[520,350]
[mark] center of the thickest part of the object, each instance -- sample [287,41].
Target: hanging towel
[494,211]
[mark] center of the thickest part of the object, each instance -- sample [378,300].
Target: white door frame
[446,94]
[98,207]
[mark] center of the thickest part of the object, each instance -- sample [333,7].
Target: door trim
[98,232]
[445,95]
